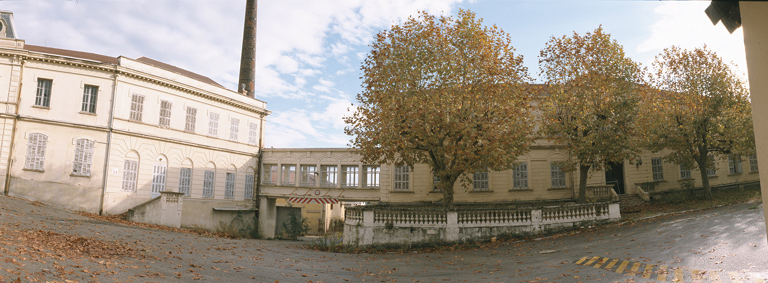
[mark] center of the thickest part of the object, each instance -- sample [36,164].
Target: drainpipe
[257,194]
[7,189]
[109,142]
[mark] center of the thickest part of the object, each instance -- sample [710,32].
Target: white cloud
[684,24]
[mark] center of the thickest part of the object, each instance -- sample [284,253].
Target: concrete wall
[755,26]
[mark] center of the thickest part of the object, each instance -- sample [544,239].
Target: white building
[97,133]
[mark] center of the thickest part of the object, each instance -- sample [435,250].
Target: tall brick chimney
[248,55]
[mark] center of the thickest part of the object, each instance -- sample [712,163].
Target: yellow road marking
[613,262]
[647,272]
[635,267]
[601,262]
[581,260]
[678,275]
[733,277]
[696,275]
[591,261]
[622,266]
[714,277]
[663,273]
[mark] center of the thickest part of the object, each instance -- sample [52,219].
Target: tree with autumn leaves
[444,91]
[592,99]
[700,108]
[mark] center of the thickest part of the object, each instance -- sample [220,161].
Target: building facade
[103,134]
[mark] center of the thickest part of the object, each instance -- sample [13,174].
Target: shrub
[296,226]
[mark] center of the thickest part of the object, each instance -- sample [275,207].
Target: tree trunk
[703,165]
[446,184]
[583,175]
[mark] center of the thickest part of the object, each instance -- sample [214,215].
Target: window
[213,124]
[657,169]
[557,175]
[253,133]
[753,163]
[137,106]
[83,157]
[234,129]
[229,186]
[685,173]
[130,170]
[89,98]
[43,97]
[36,145]
[289,175]
[189,125]
[158,180]
[208,180]
[401,177]
[734,164]
[371,176]
[711,170]
[435,183]
[520,176]
[248,187]
[480,181]
[165,114]
[328,175]
[269,174]
[308,173]
[349,176]
[185,180]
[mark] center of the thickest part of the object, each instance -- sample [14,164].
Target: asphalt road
[42,243]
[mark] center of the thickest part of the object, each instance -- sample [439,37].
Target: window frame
[253,133]
[657,169]
[520,176]
[165,114]
[229,185]
[209,183]
[89,99]
[130,175]
[137,107]
[401,178]
[712,170]
[43,93]
[248,189]
[159,176]
[329,178]
[213,124]
[185,180]
[734,164]
[685,173]
[371,176]
[234,129]
[288,177]
[37,144]
[308,175]
[190,120]
[753,164]
[480,181]
[270,174]
[83,157]
[350,176]
[557,176]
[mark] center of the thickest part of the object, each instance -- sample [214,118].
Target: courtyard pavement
[43,243]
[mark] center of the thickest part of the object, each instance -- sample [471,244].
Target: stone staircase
[630,202]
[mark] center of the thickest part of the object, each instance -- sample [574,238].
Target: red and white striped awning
[313,200]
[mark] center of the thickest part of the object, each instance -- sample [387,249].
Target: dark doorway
[615,176]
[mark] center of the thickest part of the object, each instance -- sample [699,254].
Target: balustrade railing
[506,216]
[400,217]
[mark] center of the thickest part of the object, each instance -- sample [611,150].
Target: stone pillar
[267,217]
[367,234]
[614,213]
[452,226]
[535,220]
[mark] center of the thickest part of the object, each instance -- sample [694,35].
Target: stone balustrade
[367,225]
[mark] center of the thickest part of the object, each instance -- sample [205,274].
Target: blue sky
[309,52]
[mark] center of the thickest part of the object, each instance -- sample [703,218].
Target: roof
[113,60]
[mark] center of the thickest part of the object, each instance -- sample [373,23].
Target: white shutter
[248,187]
[208,179]
[185,180]
[129,175]
[229,186]
[158,180]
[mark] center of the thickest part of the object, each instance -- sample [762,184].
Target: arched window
[36,145]
[158,176]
